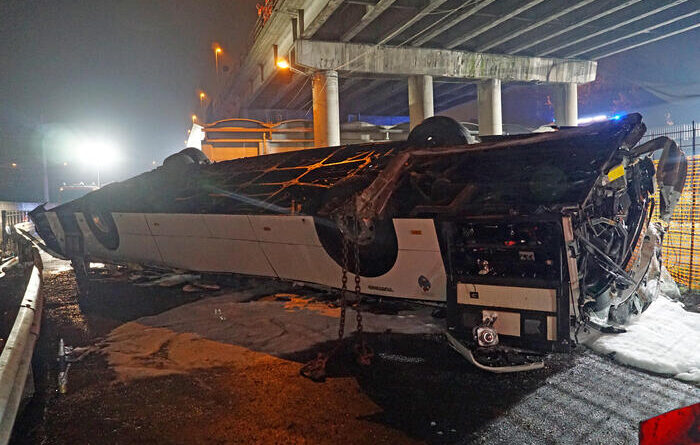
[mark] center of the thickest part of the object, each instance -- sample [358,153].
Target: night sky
[130,72]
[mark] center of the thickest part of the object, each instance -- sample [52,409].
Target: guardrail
[16,356]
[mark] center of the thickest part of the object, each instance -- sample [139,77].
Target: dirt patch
[79,323]
[260,402]
[153,385]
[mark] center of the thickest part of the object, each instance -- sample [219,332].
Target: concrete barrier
[16,356]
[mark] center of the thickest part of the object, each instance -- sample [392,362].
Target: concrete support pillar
[324,88]
[420,99]
[489,104]
[566,104]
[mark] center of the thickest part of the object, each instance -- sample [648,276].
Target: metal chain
[364,352]
[358,297]
[343,291]
[316,369]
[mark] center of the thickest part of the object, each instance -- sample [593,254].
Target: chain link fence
[681,246]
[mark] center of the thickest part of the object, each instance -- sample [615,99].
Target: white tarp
[664,339]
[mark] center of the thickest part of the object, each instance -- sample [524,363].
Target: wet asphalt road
[417,389]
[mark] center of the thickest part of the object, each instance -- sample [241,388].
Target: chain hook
[316,368]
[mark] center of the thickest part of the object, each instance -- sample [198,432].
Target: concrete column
[324,88]
[420,99]
[566,104]
[489,104]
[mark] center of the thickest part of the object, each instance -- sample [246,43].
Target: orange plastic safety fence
[681,245]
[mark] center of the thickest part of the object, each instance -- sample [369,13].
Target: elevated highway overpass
[418,57]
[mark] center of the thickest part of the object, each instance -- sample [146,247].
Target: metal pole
[46,174]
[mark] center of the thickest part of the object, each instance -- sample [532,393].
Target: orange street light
[202,96]
[282,63]
[194,118]
[217,51]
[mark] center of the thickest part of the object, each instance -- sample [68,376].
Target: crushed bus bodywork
[519,235]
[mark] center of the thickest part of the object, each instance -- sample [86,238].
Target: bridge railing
[265,10]
[8,219]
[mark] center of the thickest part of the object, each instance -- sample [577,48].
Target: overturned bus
[522,237]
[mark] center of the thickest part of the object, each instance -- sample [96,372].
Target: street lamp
[194,118]
[217,51]
[97,153]
[283,64]
[202,96]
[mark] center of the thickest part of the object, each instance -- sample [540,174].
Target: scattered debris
[219,314]
[7,264]
[170,280]
[63,366]
[401,358]
[191,288]
[197,286]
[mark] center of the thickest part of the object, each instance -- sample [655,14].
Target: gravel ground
[417,390]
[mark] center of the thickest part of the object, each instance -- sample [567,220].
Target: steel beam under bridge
[409,61]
